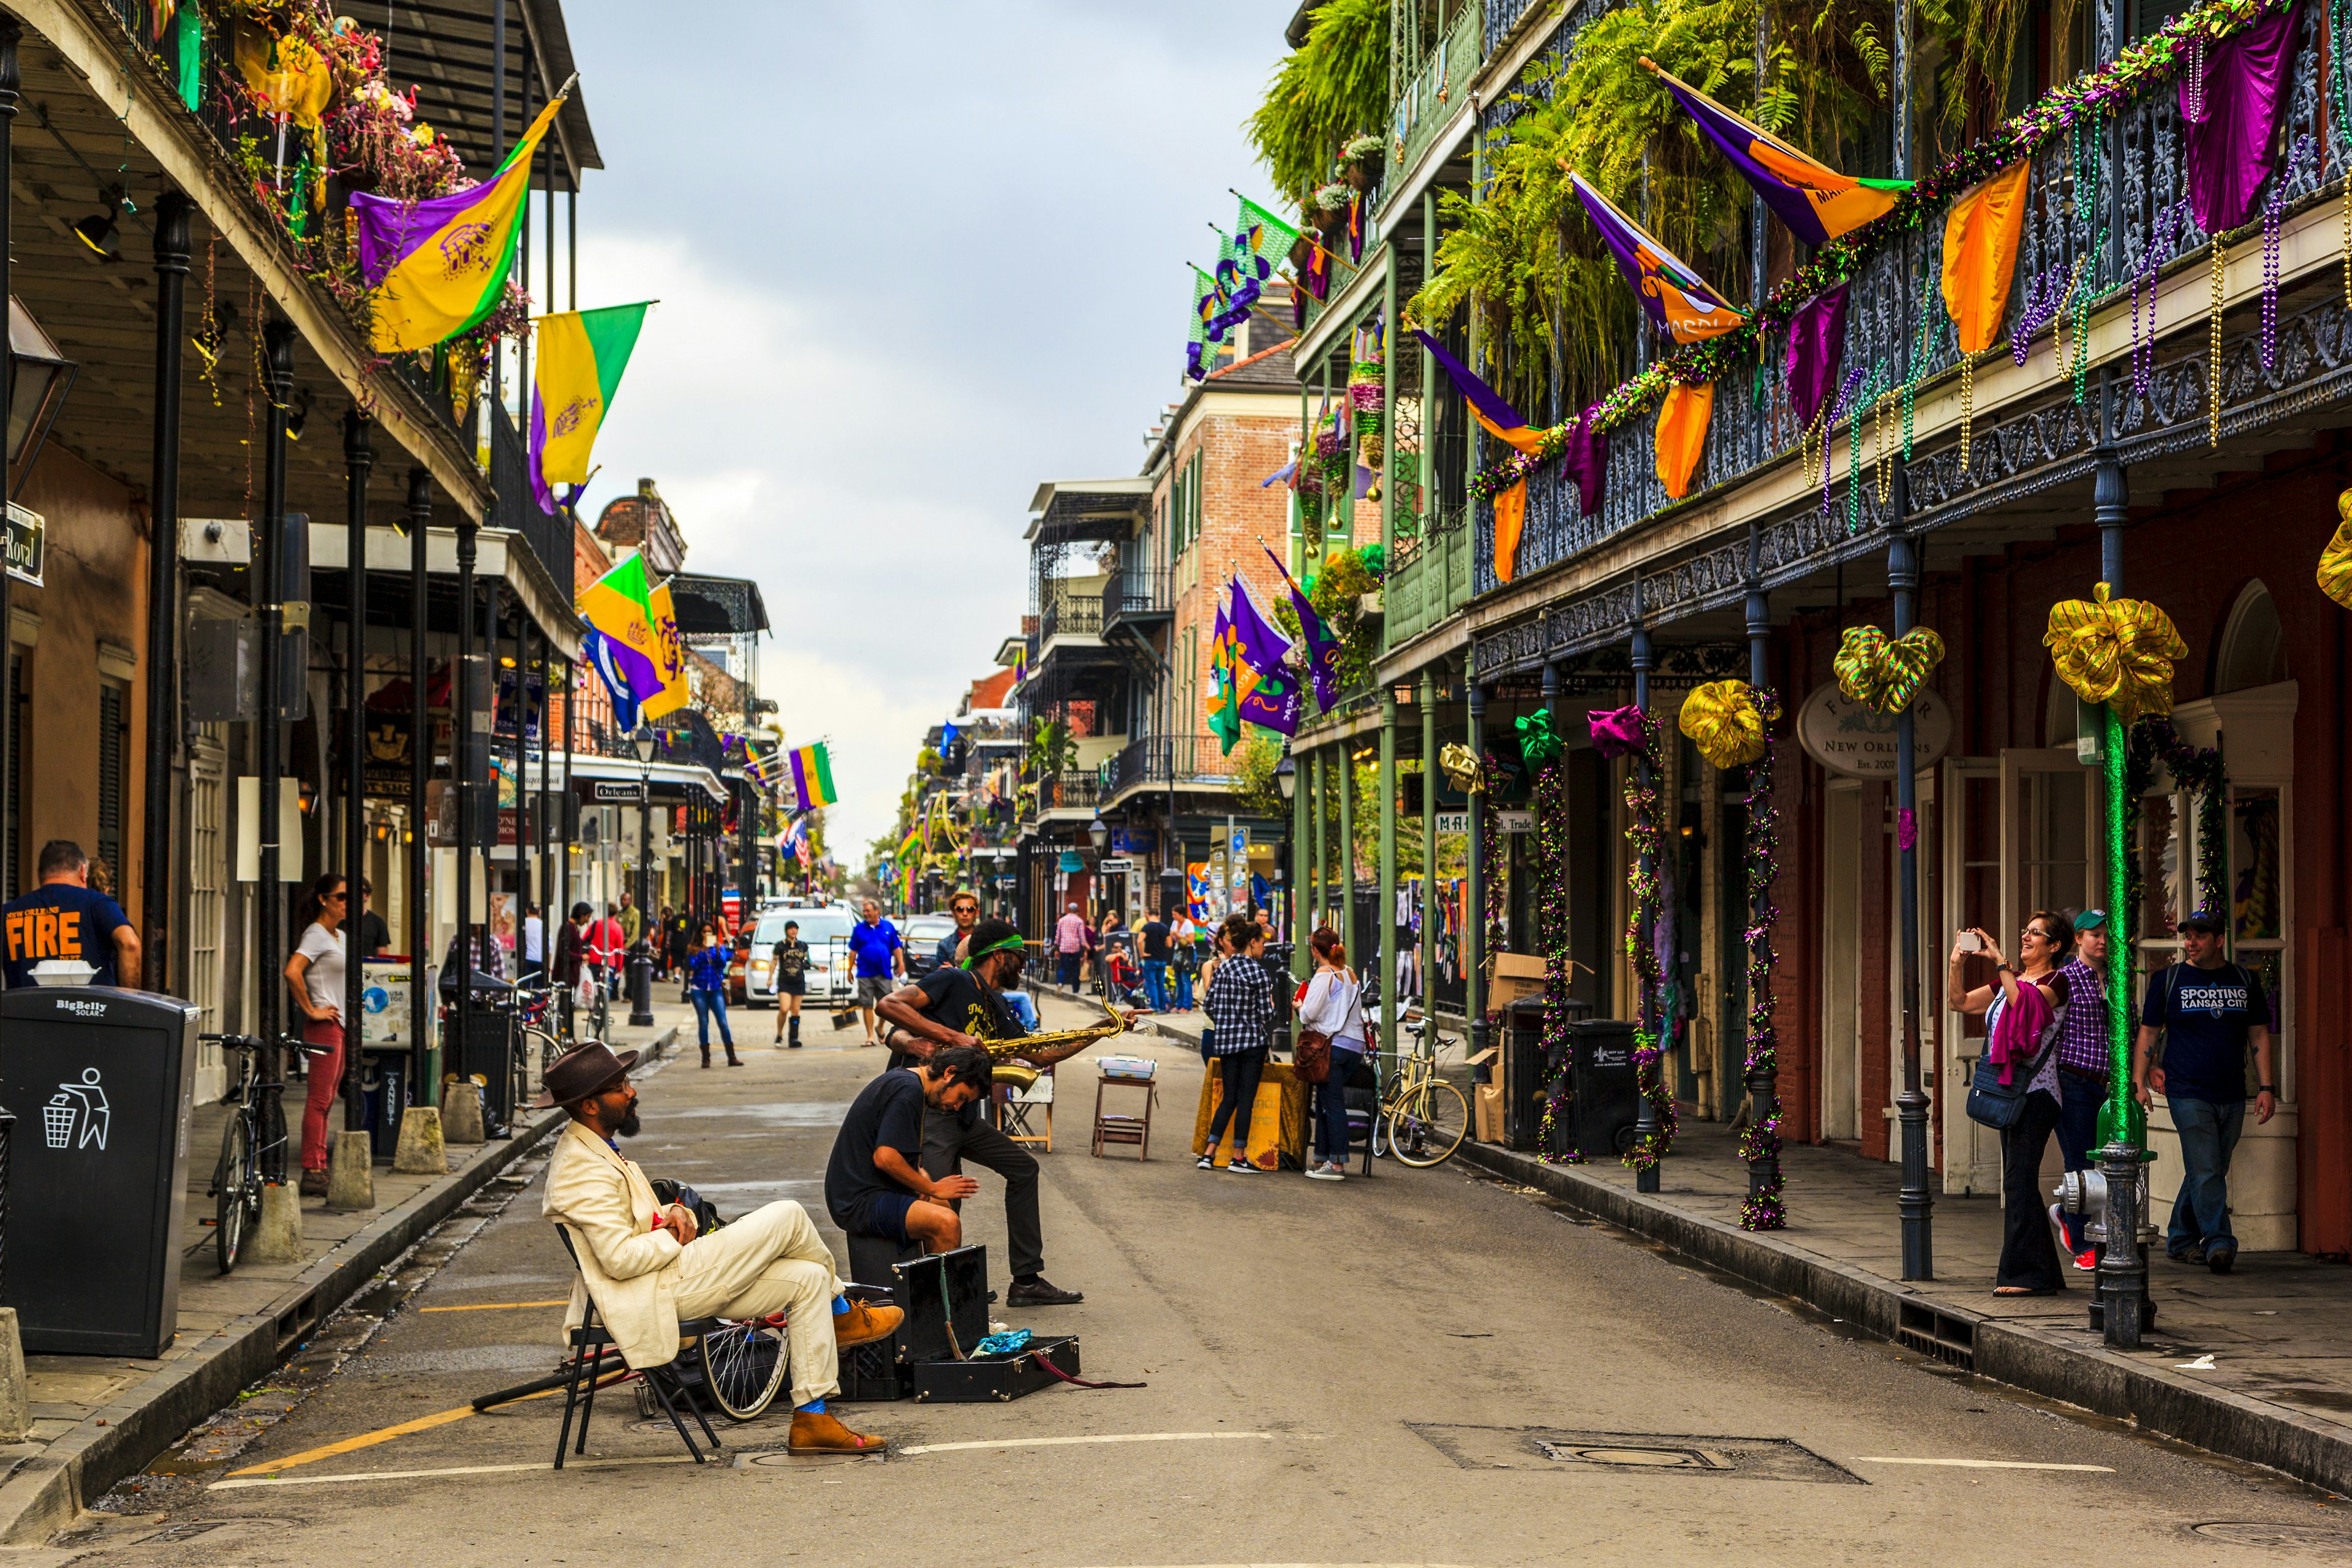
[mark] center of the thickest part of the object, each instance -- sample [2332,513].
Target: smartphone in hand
[1969,941]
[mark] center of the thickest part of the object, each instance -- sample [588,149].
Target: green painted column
[1322,862]
[1384,901]
[1300,964]
[1344,766]
[1473,883]
[1428,843]
[1391,350]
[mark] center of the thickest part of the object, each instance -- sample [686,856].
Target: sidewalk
[99,1418]
[2278,1328]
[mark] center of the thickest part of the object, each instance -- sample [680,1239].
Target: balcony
[1159,762]
[1075,792]
[1141,600]
[1428,586]
[1070,615]
[1439,88]
[2030,434]
[550,538]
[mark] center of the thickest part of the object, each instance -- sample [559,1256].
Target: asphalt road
[1422,1367]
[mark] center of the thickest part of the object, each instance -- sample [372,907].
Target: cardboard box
[1486,1112]
[1512,975]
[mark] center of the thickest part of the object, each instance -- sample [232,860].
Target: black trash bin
[485,1050]
[1608,1101]
[101,1080]
[1531,1074]
[384,1084]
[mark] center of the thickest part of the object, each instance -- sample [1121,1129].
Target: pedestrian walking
[1184,942]
[571,951]
[706,984]
[1069,947]
[607,948]
[1240,1006]
[534,945]
[965,907]
[1157,948]
[314,975]
[2210,1010]
[633,919]
[791,957]
[2022,1024]
[375,936]
[2083,1067]
[1334,1008]
[661,943]
[881,958]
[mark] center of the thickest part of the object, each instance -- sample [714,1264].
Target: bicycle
[1426,1118]
[237,1176]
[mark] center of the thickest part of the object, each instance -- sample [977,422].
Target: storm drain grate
[1946,1337]
[1646,1453]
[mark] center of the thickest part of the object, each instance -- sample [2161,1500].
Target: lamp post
[641,953]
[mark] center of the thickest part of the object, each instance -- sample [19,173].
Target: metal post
[570,809]
[1763,1083]
[2122,1299]
[641,958]
[522,883]
[359,459]
[1384,900]
[269,927]
[1474,888]
[1645,1121]
[1429,903]
[1916,1203]
[424,1053]
[11,35]
[1317,817]
[463,759]
[163,593]
[1343,769]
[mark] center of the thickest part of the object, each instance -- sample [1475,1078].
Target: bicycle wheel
[1391,1095]
[600,1016]
[231,1179]
[1429,1125]
[743,1365]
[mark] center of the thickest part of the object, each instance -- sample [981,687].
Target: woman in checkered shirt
[1240,1006]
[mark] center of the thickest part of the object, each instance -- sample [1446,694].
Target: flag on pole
[625,710]
[618,606]
[1815,201]
[1322,648]
[795,840]
[573,376]
[1272,701]
[1020,666]
[766,770]
[1198,347]
[1682,303]
[669,658]
[1224,701]
[435,267]
[813,776]
[1487,406]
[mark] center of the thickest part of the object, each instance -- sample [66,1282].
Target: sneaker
[1240,1166]
[2058,1230]
[2218,1258]
[1325,1172]
[1205,1162]
[2087,1260]
[2191,1255]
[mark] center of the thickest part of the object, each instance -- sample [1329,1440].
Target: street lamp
[1286,778]
[641,953]
[1098,834]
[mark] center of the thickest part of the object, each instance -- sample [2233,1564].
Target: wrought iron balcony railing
[1071,615]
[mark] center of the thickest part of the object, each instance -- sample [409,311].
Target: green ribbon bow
[1538,745]
[1885,673]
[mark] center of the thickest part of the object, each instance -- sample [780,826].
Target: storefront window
[2255,896]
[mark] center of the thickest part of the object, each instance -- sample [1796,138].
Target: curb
[48,1491]
[2093,1377]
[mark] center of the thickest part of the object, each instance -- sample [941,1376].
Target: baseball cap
[2090,920]
[2200,920]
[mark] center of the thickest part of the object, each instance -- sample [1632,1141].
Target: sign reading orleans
[1847,737]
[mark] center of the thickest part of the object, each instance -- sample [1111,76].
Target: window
[113,725]
[2253,643]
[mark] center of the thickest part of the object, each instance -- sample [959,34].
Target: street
[1336,1373]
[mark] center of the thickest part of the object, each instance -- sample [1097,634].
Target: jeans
[1183,989]
[1155,983]
[2028,1255]
[2200,1216]
[1331,1106]
[1237,1081]
[1065,970]
[2078,1129]
[706,1002]
[948,1141]
[324,1041]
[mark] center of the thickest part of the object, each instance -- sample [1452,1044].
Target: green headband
[1010,944]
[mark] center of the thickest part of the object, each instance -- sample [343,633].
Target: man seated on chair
[643,1267]
[873,1185]
[964,1005]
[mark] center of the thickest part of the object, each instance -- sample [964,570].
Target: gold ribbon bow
[1722,720]
[1885,673]
[2336,561]
[1461,766]
[2118,651]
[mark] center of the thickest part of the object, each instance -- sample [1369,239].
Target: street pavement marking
[364,1440]
[1981,1463]
[452,1471]
[496,1306]
[1065,1442]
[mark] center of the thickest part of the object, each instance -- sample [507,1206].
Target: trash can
[1528,1074]
[384,1089]
[102,1079]
[1608,1101]
[485,1050]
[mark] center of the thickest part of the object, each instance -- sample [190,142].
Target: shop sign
[609,791]
[1505,822]
[27,544]
[1857,743]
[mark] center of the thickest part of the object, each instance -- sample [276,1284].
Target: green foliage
[1254,759]
[1332,91]
[1051,750]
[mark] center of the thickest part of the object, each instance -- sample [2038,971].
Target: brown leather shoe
[865,1322]
[313,1184]
[821,1432]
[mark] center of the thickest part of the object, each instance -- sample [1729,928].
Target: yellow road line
[1065,1442]
[1981,1463]
[364,1440]
[496,1306]
[452,1471]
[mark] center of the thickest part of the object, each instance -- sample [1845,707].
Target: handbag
[1998,1105]
[1312,1063]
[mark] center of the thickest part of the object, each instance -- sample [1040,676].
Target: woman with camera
[2025,1011]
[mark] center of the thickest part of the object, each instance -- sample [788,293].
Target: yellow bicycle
[1421,1118]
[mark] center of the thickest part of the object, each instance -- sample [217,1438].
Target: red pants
[325,1067]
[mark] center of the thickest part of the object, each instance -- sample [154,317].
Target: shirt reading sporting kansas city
[2205,1015]
[59,920]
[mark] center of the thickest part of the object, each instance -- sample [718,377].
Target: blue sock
[813,1407]
[841,1306]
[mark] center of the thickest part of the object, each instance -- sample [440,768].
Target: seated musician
[872,1184]
[644,1267]
[964,1005]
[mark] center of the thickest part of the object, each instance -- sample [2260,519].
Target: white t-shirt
[324,979]
[531,948]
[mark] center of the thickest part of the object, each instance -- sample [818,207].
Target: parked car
[921,934]
[831,973]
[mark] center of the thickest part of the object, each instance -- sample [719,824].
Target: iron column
[1343,767]
[1429,776]
[359,459]
[1474,888]
[465,757]
[162,593]
[2123,1268]
[1384,902]
[422,1055]
[1645,1122]
[1763,1082]
[269,926]
[1916,1203]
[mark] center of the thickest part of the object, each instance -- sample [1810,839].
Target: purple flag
[2229,148]
[1322,648]
[1586,462]
[1816,345]
[1273,700]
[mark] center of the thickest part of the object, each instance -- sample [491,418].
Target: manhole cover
[2259,1533]
[1565,1448]
[777,1459]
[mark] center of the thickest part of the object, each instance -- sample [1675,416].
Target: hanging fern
[1331,92]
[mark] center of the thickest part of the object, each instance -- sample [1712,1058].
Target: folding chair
[589,1343]
[1020,1101]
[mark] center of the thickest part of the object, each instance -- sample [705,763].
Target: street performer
[644,1267]
[963,1004]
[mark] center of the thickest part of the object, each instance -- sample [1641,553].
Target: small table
[1112,1127]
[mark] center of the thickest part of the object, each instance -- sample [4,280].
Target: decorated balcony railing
[1426,102]
[1430,580]
[2113,204]
[1184,760]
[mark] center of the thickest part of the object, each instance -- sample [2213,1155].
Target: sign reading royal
[1854,741]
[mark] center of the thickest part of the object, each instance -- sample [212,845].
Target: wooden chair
[1020,1101]
[1115,1128]
[594,1354]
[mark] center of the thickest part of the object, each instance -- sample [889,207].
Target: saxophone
[1004,1054]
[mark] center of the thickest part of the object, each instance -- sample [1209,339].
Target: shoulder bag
[1998,1105]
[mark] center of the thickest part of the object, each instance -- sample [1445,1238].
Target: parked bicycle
[1421,1119]
[246,1145]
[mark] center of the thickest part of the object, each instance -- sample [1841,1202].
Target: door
[1968,843]
[1841,860]
[207,870]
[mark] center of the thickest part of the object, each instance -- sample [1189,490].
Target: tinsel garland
[2092,96]
[1490,850]
[1762,1209]
[1552,837]
[1642,835]
[2198,769]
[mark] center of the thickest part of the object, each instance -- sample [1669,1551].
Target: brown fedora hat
[580,1072]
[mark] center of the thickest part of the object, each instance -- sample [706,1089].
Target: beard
[628,1127]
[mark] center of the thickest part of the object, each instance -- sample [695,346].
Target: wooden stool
[1017,1103]
[1114,1128]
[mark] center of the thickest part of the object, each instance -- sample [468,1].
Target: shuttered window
[113,707]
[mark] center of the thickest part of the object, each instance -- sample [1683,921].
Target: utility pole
[163,591]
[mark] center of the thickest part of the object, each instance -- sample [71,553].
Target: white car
[832,976]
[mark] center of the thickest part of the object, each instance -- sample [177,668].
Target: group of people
[1171,947]
[1238,997]
[2045,1020]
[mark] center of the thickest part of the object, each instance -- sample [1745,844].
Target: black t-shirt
[962,1003]
[792,959]
[59,920]
[374,935]
[887,1114]
[1155,938]
[2206,1015]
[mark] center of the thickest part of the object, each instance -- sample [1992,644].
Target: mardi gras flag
[1504,423]
[618,608]
[1224,703]
[1263,235]
[669,657]
[1020,666]
[1200,348]
[1682,303]
[763,769]
[573,376]
[813,776]
[1322,648]
[1815,201]
[598,652]
[1272,701]
[437,267]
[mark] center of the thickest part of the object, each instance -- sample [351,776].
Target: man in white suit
[645,1267]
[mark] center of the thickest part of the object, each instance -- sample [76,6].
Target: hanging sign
[1857,743]
[27,544]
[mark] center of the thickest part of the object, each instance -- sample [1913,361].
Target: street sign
[611,791]
[1505,822]
[27,545]
[1109,864]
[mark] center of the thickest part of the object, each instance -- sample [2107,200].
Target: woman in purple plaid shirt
[2083,1067]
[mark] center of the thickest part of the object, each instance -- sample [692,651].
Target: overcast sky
[913,259]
